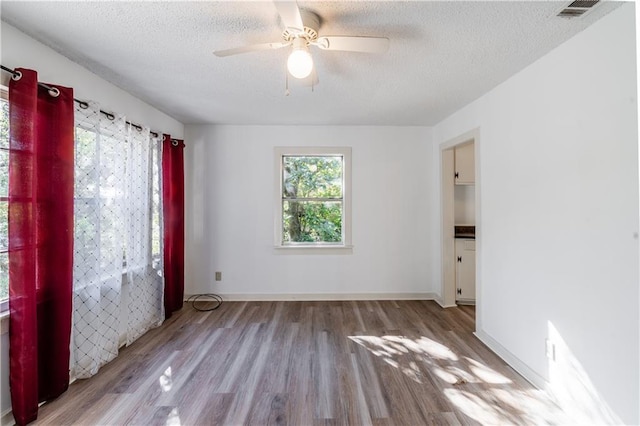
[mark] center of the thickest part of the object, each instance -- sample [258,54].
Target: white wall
[558,223]
[230,214]
[19,50]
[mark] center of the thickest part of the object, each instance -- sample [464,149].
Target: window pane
[4,173]
[4,226]
[312,177]
[86,232]
[4,276]
[85,167]
[156,208]
[4,124]
[311,221]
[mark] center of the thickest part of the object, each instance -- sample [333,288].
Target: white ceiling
[443,55]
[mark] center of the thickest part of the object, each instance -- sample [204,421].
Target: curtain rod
[83,104]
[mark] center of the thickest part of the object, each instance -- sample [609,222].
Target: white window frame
[345,153]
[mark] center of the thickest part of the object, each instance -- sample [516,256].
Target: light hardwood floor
[307,363]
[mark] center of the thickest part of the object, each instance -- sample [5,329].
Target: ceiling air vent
[577,8]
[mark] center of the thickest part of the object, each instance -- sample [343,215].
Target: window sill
[314,249]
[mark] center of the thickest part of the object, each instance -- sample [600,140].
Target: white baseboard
[7,418]
[308,297]
[523,369]
[439,301]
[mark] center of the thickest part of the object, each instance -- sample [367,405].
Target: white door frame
[447,221]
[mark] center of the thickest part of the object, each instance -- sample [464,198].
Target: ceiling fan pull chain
[286,83]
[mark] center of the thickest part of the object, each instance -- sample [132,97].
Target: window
[4,198]
[99,158]
[313,197]
[156,205]
[101,155]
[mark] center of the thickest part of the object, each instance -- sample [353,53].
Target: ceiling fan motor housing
[310,32]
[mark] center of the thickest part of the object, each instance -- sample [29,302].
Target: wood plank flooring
[307,363]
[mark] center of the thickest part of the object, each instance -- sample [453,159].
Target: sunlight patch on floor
[397,345]
[462,375]
[391,362]
[477,390]
[413,372]
[445,376]
[173,419]
[476,408]
[535,405]
[485,373]
[506,406]
[165,380]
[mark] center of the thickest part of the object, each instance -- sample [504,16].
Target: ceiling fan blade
[290,14]
[251,48]
[353,43]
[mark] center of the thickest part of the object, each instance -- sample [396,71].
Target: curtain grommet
[174,142]
[17,75]
[83,105]
[54,92]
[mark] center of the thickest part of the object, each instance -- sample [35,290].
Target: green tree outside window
[312,199]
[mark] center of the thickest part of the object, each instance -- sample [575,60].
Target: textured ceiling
[442,55]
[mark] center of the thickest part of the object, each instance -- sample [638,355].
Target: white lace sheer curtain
[114,188]
[142,187]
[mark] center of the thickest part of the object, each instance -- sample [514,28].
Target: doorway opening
[460,214]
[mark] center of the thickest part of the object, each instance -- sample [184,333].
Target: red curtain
[173,211]
[40,242]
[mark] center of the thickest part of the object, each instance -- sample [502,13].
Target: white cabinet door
[465,166]
[465,271]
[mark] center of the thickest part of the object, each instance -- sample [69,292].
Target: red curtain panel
[40,242]
[173,211]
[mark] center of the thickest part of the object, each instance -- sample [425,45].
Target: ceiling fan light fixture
[300,63]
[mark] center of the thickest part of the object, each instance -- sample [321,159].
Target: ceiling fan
[301,32]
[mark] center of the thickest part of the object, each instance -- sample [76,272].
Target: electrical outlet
[218,276]
[550,349]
